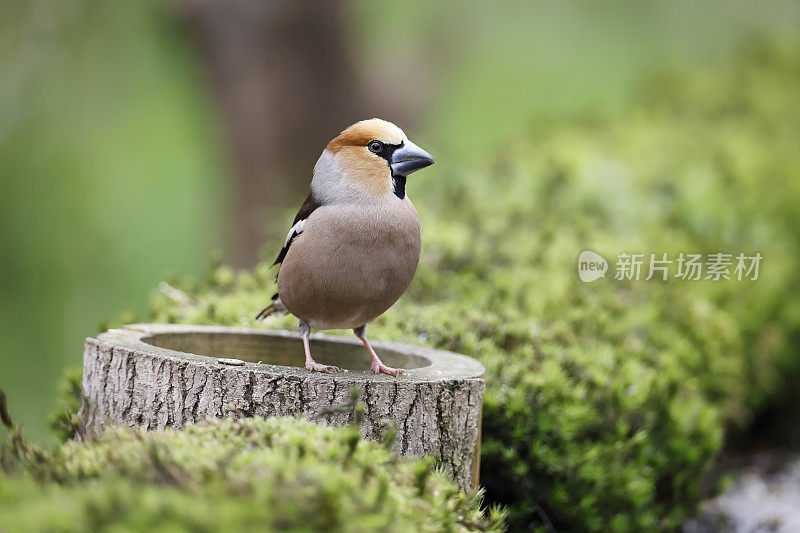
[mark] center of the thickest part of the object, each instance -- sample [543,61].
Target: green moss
[736,186]
[246,475]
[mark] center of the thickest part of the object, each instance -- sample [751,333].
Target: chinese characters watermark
[685,266]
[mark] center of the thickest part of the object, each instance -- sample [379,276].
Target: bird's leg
[305,331]
[377,365]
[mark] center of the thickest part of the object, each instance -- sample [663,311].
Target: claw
[313,366]
[378,367]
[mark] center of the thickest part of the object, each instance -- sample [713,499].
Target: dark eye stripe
[388,151]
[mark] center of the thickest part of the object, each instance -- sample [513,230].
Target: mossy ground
[247,475]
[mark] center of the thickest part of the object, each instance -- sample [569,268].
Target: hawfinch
[354,245]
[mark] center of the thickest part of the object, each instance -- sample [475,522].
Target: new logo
[591,266]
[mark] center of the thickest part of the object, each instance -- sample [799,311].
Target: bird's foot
[379,367]
[313,366]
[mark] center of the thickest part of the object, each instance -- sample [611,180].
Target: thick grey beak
[409,158]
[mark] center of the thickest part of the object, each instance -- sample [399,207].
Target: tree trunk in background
[285,86]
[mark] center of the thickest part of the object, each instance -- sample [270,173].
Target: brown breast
[351,263]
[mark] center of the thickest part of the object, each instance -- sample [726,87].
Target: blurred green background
[121,146]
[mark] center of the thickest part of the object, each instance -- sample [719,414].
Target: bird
[354,245]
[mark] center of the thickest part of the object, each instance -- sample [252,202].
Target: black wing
[305,211]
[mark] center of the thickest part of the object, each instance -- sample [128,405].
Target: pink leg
[376,366]
[305,331]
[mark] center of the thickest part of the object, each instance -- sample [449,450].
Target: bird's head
[367,161]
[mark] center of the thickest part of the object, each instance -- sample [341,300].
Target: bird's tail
[276,308]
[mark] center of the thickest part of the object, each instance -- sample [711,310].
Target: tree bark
[142,377]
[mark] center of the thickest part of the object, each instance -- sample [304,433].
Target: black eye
[375,146]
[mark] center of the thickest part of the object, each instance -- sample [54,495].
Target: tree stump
[155,376]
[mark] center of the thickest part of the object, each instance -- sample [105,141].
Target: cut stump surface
[155,376]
